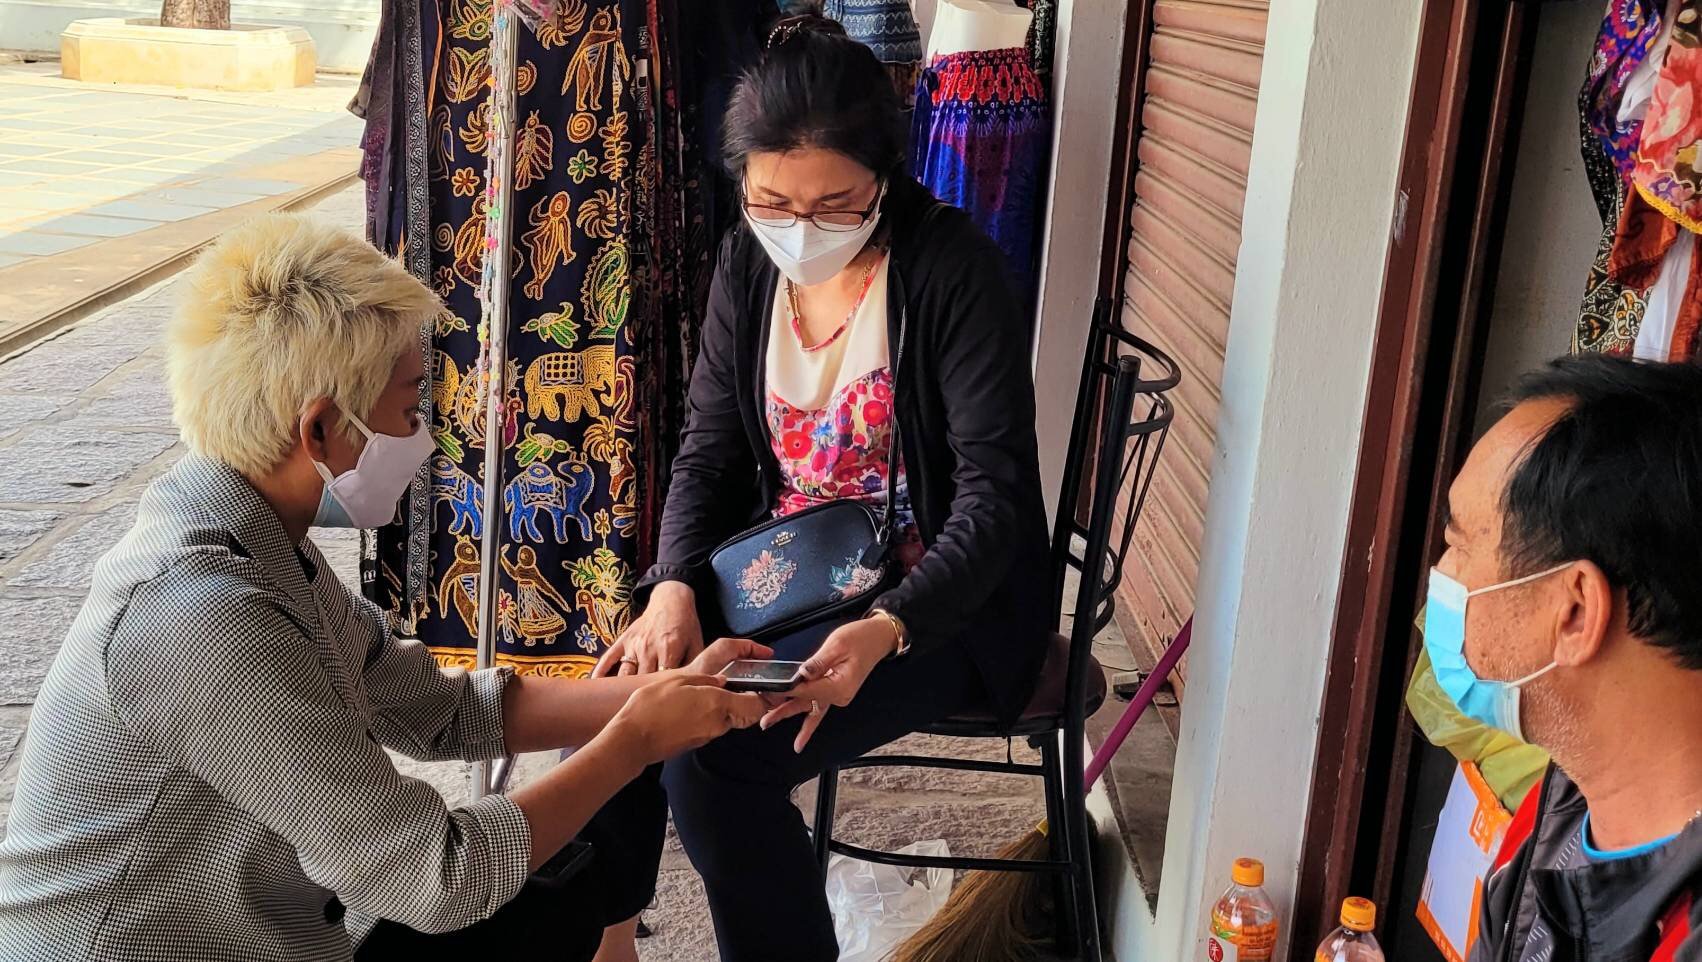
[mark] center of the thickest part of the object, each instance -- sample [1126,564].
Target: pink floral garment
[1668,166]
[840,451]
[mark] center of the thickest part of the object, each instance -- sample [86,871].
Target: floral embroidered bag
[820,564]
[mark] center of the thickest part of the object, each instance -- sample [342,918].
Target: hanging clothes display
[612,236]
[1040,37]
[888,27]
[981,139]
[1644,295]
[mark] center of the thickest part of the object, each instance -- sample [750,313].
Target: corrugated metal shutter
[1196,132]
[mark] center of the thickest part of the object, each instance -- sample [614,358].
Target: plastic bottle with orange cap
[1244,920]
[1244,924]
[1353,942]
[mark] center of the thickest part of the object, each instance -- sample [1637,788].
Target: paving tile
[90,225]
[45,165]
[216,199]
[35,629]
[70,564]
[31,123]
[149,208]
[182,165]
[122,177]
[37,244]
[117,156]
[155,149]
[11,735]
[238,185]
[20,529]
[46,141]
[205,139]
[60,368]
[85,188]
[55,466]
[17,410]
[139,399]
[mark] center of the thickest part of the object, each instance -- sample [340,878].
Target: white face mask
[808,255]
[366,496]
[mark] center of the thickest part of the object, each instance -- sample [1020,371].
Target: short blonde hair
[279,312]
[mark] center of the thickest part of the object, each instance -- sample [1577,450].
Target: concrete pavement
[110,188]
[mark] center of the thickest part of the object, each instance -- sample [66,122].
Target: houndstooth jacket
[203,777]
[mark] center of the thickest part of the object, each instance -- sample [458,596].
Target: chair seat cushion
[1045,711]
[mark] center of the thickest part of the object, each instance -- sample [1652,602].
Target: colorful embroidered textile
[885,26]
[889,29]
[1629,29]
[570,495]
[1669,148]
[1042,32]
[616,211]
[1612,312]
[980,139]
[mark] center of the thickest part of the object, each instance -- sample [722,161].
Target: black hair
[815,87]
[1617,480]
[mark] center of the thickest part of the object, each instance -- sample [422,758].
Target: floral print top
[833,442]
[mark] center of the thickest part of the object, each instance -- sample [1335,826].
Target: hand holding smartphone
[763,676]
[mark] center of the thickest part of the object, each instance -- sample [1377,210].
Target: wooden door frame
[1462,125]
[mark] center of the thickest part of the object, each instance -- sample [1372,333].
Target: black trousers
[556,918]
[732,804]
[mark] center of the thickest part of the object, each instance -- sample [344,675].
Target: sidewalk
[111,188]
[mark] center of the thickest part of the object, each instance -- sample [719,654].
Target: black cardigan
[965,407]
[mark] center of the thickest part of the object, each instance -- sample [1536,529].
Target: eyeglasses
[836,221]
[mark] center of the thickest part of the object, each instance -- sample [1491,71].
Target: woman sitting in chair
[849,304]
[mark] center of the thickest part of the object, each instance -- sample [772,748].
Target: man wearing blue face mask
[204,776]
[1565,612]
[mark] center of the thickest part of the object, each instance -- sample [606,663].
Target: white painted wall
[1085,73]
[1321,191]
[342,30]
[1552,224]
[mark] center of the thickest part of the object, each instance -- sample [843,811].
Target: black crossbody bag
[824,563]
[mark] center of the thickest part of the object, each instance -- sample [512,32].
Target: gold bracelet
[901,634]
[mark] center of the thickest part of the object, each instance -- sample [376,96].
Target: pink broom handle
[1143,698]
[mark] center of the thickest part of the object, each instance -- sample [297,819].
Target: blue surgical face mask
[1494,703]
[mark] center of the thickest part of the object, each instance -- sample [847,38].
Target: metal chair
[1127,416]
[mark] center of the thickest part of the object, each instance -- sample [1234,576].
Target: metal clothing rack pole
[492,777]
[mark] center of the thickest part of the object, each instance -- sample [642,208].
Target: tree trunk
[201,14]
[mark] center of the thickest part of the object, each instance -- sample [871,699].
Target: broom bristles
[991,917]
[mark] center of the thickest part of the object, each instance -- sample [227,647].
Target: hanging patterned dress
[980,139]
[617,206]
[584,171]
[887,27]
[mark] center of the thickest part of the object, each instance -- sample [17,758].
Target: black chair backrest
[1123,415]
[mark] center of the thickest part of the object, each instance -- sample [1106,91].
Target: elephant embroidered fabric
[619,201]
[570,502]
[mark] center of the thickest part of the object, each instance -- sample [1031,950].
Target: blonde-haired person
[204,776]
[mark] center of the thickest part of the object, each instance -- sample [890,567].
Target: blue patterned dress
[980,139]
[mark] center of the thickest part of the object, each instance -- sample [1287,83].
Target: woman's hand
[835,674]
[718,656]
[667,635]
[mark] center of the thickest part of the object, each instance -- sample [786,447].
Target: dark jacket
[965,408]
[1625,910]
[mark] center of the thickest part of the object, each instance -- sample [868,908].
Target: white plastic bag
[875,907]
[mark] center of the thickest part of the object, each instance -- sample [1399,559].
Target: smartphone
[764,676]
